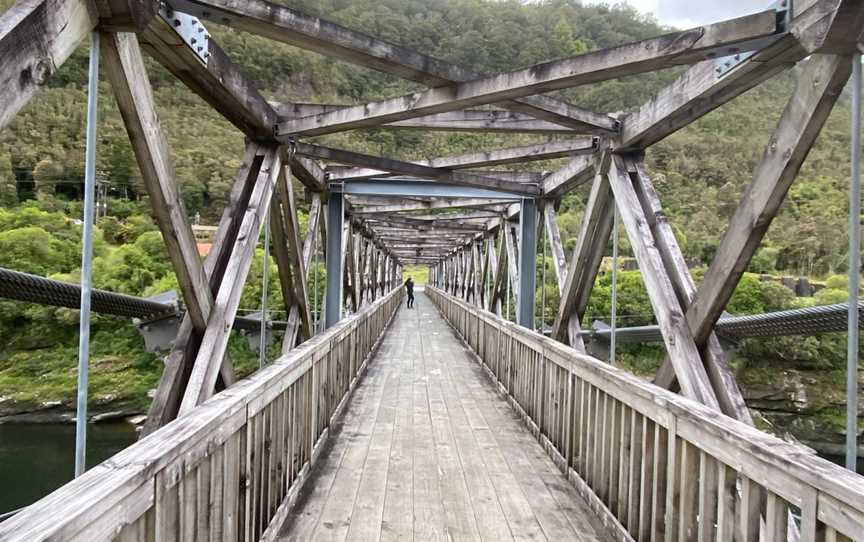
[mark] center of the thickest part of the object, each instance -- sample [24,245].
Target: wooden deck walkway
[427,449]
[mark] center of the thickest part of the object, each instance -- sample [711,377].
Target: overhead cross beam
[450,176]
[469,120]
[449,203]
[321,36]
[648,55]
[513,155]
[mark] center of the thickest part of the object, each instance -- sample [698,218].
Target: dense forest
[700,173]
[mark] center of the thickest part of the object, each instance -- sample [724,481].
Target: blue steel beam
[335,222]
[527,259]
[409,188]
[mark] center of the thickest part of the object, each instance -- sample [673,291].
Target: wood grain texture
[428,450]
[36,38]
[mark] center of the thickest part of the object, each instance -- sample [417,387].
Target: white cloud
[690,13]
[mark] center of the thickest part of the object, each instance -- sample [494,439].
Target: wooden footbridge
[391,423]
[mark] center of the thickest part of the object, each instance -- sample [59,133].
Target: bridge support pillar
[335,224]
[527,259]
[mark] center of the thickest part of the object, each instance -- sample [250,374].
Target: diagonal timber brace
[585,261]
[227,299]
[321,36]
[712,355]
[630,59]
[127,74]
[819,86]
[292,329]
[667,310]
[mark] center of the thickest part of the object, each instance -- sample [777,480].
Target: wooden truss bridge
[386,425]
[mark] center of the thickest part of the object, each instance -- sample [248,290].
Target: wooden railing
[655,465]
[232,468]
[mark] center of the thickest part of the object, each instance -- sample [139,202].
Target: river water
[36,459]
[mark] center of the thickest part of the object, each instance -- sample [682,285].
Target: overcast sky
[689,13]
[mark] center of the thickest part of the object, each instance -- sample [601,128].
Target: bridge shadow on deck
[428,449]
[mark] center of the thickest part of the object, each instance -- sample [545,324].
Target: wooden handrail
[656,465]
[230,469]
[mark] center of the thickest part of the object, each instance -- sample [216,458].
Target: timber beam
[227,299]
[818,89]
[448,203]
[470,120]
[127,74]
[823,26]
[819,86]
[514,155]
[576,172]
[219,82]
[673,49]
[450,176]
[36,38]
[585,261]
[683,352]
[324,37]
[712,356]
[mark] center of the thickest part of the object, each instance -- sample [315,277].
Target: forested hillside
[700,173]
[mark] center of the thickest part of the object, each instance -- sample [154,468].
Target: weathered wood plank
[497,157]
[585,260]
[448,203]
[220,82]
[36,38]
[653,54]
[179,362]
[577,171]
[215,339]
[818,88]
[397,166]
[714,359]
[472,120]
[292,328]
[679,342]
[321,36]
[557,248]
[510,247]
[125,69]
[700,90]
[285,192]
[498,271]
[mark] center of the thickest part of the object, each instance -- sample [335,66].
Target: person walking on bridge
[409,288]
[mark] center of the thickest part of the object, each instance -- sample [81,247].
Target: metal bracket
[190,29]
[253,333]
[724,65]
[159,333]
